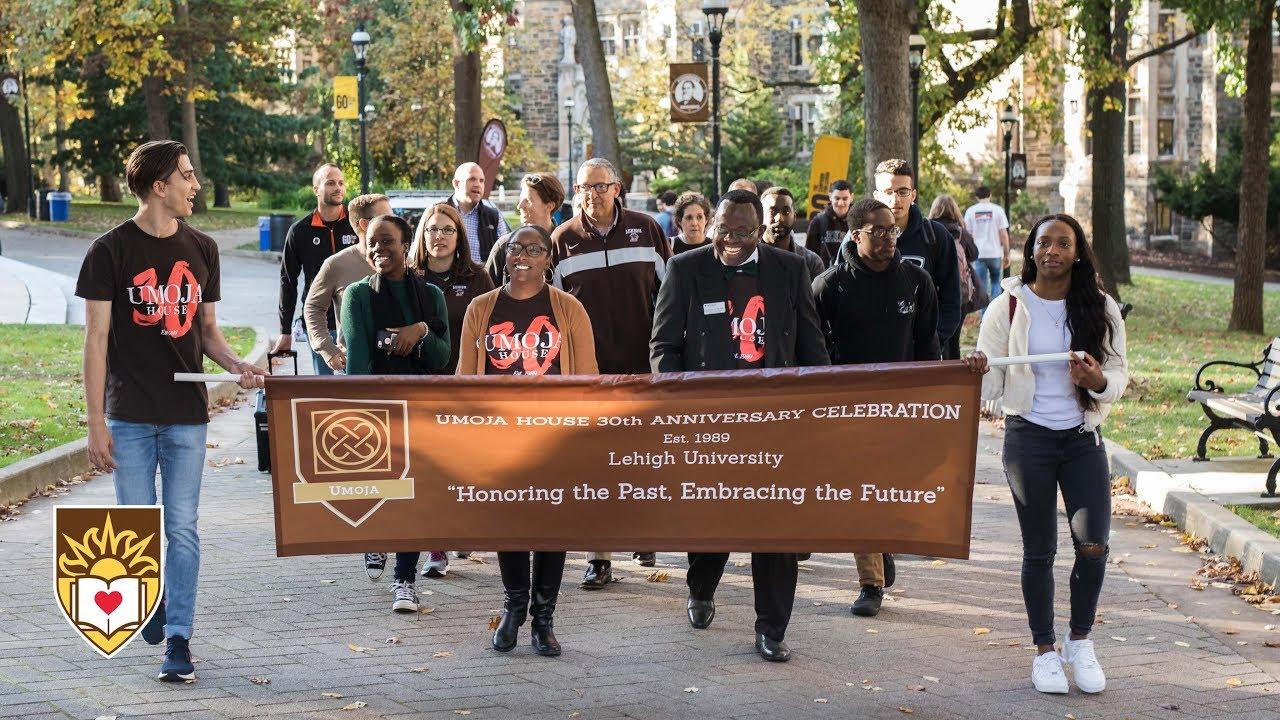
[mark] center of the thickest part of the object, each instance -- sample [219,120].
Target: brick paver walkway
[629,652]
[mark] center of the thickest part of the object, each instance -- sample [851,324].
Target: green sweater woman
[394,323]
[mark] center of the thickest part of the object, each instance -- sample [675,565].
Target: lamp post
[568,121]
[1007,121]
[915,58]
[360,41]
[715,10]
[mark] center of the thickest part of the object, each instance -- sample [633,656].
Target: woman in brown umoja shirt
[527,327]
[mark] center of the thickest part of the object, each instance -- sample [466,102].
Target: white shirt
[1055,404]
[985,220]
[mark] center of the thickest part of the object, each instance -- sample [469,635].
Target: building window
[815,44]
[630,37]
[1163,224]
[797,49]
[607,39]
[1164,137]
[1166,28]
[1133,125]
[802,124]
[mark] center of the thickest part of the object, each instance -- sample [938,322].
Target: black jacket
[928,244]
[487,228]
[877,317]
[309,243]
[685,338]
[826,232]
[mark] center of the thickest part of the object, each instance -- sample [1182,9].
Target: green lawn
[41,398]
[98,217]
[1266,518]
[1175,326]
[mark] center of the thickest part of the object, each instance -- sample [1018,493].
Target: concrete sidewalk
[1170,651]
[33,295]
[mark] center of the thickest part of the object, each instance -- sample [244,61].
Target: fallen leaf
[931,678]
[938,562]
[461,712]
[287,599]
[355,705]
[359,648]
[981,631]
[331,695]
[658,576]
[392,641]
[260,680]
[820,700]
[1271,643]
[443,654]
[574,714]
[1181,549]
[1268,628]
[872,630]
[424,610]
[917,688]
[1197,585]
[691,689]
[418,670]
[1149,546]
[1171,707]
[1119,639]
[905,710]
[1180,643]
[328,582]
[1230,631]
[494,622]
[993,642]
[1014,643]
[477,559]
[1069,716]
[1234,682]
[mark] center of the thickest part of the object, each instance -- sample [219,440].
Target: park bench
[1257,410]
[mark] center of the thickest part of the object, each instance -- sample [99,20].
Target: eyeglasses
[445,231]
[882,234]
[738,235]
[599,188]
[515,249]
[900,192]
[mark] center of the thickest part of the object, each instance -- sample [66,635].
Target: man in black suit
[711,315]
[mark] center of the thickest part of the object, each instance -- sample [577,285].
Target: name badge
[715,308]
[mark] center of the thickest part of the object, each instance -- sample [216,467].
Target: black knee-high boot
[548,570]
[514,567]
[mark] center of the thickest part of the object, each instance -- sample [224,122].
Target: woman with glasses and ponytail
[541,195]
[526,327]
[1052,442]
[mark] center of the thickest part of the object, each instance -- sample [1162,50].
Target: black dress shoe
[645,559]
[772,650]
[890,570]
[599,574]
[504,638]
[868,602]
[544,642]
[701,613]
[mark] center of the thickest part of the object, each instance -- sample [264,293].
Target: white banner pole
[206,377]
[1028,359]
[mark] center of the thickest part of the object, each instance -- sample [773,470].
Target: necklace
[1057,320]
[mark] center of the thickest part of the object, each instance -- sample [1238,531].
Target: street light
[715,10]
[1007,120]
[915,58]
[360,41]
[568,121]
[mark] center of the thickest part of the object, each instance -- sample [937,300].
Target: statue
[568,36]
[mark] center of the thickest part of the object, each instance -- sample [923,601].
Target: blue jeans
[990,272]
[178,451]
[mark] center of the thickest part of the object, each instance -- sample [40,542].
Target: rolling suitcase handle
[260,412]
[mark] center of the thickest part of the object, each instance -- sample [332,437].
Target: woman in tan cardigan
[527,327]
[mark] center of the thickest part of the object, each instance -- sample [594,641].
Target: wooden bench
[1257,410]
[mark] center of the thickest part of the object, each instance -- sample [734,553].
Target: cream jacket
[1015,385]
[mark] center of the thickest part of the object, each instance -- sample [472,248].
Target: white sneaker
[1047,674]
[405,597]
[436,566]
[1085,670]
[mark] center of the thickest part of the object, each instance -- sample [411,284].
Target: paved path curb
[1226,532]
[20,480]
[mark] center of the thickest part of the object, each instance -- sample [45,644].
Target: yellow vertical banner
[830,163]
[346,98]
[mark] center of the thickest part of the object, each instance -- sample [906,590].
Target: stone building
[542,72]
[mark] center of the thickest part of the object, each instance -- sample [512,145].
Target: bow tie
[747,268]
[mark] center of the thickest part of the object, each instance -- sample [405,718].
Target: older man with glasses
[612,260]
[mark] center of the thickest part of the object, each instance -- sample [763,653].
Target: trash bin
[279,230]
[264,233]
[43,200]
[59,206]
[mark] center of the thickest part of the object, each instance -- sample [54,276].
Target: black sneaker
[153,631]
[645,559]
[599,574]
[374,565]
[868,602]
[177,661]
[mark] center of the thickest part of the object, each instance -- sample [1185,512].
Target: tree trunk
[595,76]
[467,111]
[1107,188]
[109,188]
[221,195]
[190,134]
[157,107]
[1246,303]
[16,178]
[885,28]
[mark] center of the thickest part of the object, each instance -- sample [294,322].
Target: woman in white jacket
[1052,441]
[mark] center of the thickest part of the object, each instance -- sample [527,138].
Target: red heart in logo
[108,601]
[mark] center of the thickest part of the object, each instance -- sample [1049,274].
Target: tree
[1246,301]
[474,22]
[885,26]
[595,75]
[753,137]
[106,128]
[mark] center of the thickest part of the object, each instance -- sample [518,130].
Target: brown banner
[854,458]
[689,92]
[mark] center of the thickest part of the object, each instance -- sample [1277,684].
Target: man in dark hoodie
[828,228]
[874,307]
[923,242]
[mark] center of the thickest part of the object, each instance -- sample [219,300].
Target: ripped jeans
[1037,462]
